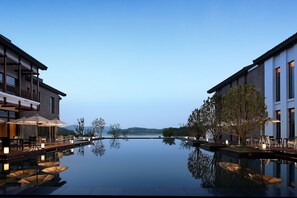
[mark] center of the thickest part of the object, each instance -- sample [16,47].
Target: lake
[149,167]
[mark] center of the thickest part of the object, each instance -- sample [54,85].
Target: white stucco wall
[281,60]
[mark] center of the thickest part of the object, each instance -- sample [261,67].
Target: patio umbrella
[47,164]
[36,120]
[21,121]
[36,179]
[55,169]
[54,122]
[22,173]
[267,121]
[271,120]
[57,122]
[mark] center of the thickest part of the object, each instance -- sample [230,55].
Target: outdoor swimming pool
[149,167]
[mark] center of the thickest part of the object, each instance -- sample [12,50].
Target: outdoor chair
[292,143]
[60,139]
[32,142]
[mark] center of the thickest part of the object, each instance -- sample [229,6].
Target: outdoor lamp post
[6,150]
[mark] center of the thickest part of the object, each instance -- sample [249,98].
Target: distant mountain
[143,131]
[131,131]
[72,128]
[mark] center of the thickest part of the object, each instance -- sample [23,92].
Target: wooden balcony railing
[24,93]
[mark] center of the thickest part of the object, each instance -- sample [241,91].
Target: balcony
[24,93]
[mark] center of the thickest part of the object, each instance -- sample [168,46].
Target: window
[10,80]
[291,79]
[277,84]
[291,123]
[52,105]
[278,124]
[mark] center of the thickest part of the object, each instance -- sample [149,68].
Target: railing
[24,93]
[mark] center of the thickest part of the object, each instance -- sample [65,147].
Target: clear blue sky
[145,63]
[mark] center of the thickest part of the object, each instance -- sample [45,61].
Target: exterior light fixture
[226,142]
[71,141]
[6,166]
[42,145]
[206,139]
[42,157]
[6,150]
[264,146]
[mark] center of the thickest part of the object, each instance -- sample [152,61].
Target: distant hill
[131,131]
[72,128]
[142,131]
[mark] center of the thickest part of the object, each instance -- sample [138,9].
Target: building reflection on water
[204,167]
[15,176]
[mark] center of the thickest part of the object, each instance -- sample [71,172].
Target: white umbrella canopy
[271,120]
[34,120]
[267,121]
[55,122]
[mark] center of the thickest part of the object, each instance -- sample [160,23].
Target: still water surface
[152,164]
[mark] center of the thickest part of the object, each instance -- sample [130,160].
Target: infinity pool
[148,167]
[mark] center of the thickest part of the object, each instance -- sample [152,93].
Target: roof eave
[8,44]
[230,79]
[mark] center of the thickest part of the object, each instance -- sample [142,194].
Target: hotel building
[274,76]
[22,91]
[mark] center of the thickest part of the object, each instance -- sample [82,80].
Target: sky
[143,63]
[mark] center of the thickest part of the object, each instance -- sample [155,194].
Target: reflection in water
[169,141]
[114,143]
[202,166]
[241,177]
[98,148]
[24,174]
[196,168]
[81,151]
[184,144]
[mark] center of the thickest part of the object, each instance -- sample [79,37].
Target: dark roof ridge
[7,43]
[278,48]
[238,74]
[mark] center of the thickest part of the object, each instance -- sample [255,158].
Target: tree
[168,132]
[196,124]
[115,130]
[80,128]
[210,113]
[98,126]
[243,110]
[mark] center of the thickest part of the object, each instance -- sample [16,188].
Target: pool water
[150,167]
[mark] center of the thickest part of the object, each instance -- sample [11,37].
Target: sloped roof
[232,78]
[9,45]
[289,42]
